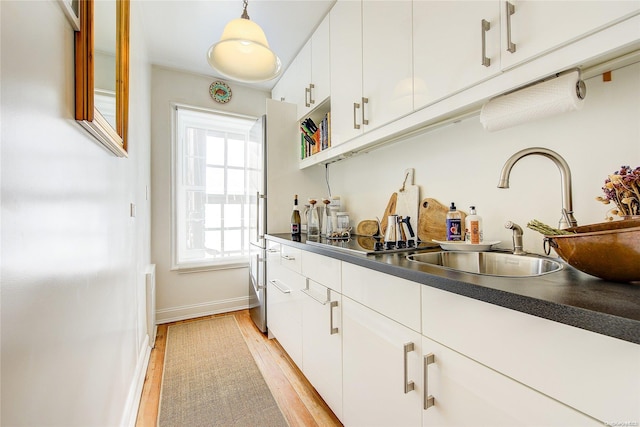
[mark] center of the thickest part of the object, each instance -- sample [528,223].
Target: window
[210,202]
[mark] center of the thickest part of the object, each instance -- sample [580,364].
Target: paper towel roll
[545,99]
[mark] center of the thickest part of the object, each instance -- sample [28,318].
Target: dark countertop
[568,296]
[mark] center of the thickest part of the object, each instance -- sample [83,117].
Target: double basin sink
[489,263]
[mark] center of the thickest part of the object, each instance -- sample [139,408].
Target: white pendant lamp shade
[243,53]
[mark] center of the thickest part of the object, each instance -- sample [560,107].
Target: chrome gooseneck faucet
[567,220]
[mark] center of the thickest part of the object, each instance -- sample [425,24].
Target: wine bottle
[295,218]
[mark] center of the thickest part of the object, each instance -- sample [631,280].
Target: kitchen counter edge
[569,297]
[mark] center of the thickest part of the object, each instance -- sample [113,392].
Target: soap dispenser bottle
[454,224]
[473,227]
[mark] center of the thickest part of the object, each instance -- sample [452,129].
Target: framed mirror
[102,72]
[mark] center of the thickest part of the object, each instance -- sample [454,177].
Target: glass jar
[343,222]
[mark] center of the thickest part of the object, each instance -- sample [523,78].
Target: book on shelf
[315,137]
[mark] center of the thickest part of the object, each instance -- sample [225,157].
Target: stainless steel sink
[489,263]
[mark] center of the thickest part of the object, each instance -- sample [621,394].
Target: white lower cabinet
[284,308]
[466,393]
[382,347]
[382,375]
[322,343]
[569,364]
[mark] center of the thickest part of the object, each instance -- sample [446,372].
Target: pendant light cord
[245,15]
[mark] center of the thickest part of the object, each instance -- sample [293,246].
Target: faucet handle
[517,237]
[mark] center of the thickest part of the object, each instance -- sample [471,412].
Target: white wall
[185,295]
[73,329]
[461,163]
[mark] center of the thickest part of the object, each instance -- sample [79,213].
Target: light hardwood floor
[298,400]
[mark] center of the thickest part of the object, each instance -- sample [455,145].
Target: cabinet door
[291,258]
[450,43]
[568,364]
[299,78]
[378,363]
[538,27]
[346,71]
[466,393]
[320,60]
[396,298]
[387,80]
[322,269]
[284,309]
[290,87]
[278,91]
[322,343]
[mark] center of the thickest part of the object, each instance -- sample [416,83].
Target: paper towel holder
[581,87]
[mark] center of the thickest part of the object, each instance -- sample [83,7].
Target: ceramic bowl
[608,250]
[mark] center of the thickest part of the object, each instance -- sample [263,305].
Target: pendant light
[243,53]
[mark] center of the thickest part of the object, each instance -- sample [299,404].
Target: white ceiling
[180,32]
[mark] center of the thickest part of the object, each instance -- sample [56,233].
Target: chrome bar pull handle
[355,107]
[281,288]
[429,400]
[288,257]
[408,385]
[258,197]
[364,101]
[332,329]
[307,96]
[486,26]
[511,9]
[311,100]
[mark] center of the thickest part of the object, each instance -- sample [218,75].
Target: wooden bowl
[608,250]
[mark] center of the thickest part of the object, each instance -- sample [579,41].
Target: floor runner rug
[210,379]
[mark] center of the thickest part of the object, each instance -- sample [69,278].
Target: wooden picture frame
[113,139]
[71,9]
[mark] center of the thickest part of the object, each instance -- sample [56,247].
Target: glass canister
[313,222]
[343,222]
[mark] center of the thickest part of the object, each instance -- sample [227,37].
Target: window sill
[199,268]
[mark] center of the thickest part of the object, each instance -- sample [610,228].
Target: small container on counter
[473,227]
[454,224]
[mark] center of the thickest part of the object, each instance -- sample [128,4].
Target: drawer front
[284,309]
[322,269]
[291,258]
[569,364]
[396,298]
[467,393]
[273,252]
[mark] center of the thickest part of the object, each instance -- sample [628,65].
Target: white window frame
[176,198]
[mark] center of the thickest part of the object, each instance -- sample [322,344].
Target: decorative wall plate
[220,92]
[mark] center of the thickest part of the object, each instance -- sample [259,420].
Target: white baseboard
[174,314]
[130,413]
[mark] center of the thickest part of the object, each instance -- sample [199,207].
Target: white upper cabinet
[306,81]
[537,27]
[371,66]
[456,44]
[398,65]
[346,71]
[387,66]
[299,79]
[319,81]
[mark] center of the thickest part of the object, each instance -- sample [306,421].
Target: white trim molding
[174,314]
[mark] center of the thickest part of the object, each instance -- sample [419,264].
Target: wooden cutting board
[408,202]
[390,210]
[432,223]
[367,227]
